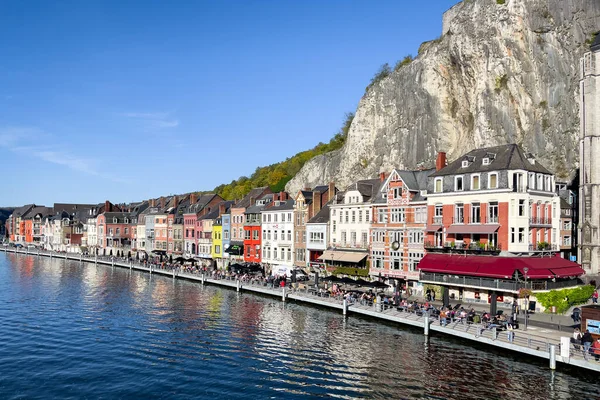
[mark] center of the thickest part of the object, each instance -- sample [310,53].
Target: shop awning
[476,229]
[344,256]
[235,248]
[433,228]
[500,267]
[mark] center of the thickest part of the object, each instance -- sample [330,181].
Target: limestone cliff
[500,73]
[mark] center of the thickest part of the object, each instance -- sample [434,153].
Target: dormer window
[465,163]
[114,220]
[126,220]
[485,161]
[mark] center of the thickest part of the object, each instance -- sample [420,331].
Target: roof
[254,194]
[43,211]
[286,205]
[596,45]
[504,157]
[19,212]
[500,267]
[71,208]
[345,256]
[322,217]
[120,216]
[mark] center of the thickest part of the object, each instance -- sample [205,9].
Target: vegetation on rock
[565,298]
[277,175]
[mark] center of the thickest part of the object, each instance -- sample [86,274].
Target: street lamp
[525,270]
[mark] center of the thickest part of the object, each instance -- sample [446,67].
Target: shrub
[352,271]
[565,298]
[500,1]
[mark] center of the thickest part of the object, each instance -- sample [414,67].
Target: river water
[73,330]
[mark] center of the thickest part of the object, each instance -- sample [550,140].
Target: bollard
[283,294]
[565,347]
[552,356]
[494,333]
[237,285]
[80,257]
[202,280]
[150,269]
[95,259]
[426,324]
[112,262]
[345,307]
[173,273]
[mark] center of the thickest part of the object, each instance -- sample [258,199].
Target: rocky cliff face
[500,73]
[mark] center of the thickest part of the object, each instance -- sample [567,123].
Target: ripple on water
[77,331]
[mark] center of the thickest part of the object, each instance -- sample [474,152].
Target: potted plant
[543,245]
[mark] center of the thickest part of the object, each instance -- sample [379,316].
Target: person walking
[510,331]
[596,349]
[586,340]
[595,297]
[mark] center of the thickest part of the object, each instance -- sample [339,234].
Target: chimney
[107,206]
[316,203]
[331,191]
[382,176]
[193,198]
[175,201]
[221,208]
[252,201]
[441,161]
[283,196]
[162,202]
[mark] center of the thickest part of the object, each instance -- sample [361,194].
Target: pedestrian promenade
[537,341]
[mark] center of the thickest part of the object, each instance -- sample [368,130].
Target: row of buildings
[488,201]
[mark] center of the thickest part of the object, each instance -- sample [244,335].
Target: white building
[589,161]
[350,224]
[278,233]
[317,238]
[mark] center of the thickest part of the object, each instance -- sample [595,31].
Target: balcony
[458,220]
[460,247]
[543,246]
[501,284]
[540,221]
[437,220]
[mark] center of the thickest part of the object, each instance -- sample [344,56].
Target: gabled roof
[368,188]
[120,216]
[71,208]
[322,216]
[255,208]
[41,210]
[283,205]
[502,158]
[254,193]
[199,205]
[20,211]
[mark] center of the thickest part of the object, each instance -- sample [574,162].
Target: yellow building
[217,242]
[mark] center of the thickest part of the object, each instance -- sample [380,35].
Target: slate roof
[120,216]
[596,45]
[367,187]
[255,209]
[71,208]
[416,181]
[322,217]
[201,202]
[507,157]
[254,193]
[20,211]
[286,205]
[44,211]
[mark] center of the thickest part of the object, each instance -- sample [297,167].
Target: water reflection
[107,332]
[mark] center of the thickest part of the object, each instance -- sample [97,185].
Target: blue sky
[126,100]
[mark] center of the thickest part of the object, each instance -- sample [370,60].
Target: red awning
[433,228]
[477,229]
[499,267]
[568,271]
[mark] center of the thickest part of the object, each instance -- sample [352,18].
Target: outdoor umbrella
[347,280]
[362,282]
[332,278]
[379,284]
[180,260]
[192,260]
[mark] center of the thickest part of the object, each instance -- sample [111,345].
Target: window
[437,214]
[365,238]
[377,257]
[465,163]
[420,215]
[475,213]
[289,254]
[475,182]
[512,235]
[254,234]
[395,260]
[289,236]
[333,226]
[247,235]
[343,237]
[493,181]
[118,231]
[566,225]
[397,192]
[493,212]
[346,216]
[382,217]
[274,217]
[289,217]
[459,213]
[378,236]
[367,216]
[413,261]
[485,161]
[269,234]
[458,183]
[359,215]
[397,215]
[415,237]
[110,231]
[566,240]
[353,237]
[353,216]
[521,235]
[217,249]
[521,208]
[438,185]
[264,234]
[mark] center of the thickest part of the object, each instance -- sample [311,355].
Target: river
[73,330]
